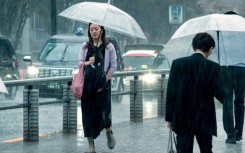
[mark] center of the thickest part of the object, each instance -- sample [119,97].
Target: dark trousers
[234,82]
[185,142]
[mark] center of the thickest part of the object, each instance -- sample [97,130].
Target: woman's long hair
[102,33]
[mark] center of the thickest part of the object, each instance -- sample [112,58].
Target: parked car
[144,57]
[59,57]
[8,65]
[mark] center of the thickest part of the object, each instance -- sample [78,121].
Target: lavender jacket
[110,61]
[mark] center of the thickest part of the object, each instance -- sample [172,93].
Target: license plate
[54,86]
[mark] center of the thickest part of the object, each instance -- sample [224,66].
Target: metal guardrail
[31,100]
[15,106]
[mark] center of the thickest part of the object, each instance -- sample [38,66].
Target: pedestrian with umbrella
[96,101]
[96,106]
[234,82]
[193,84]
[229,33]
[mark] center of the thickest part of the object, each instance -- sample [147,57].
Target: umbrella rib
[106,12]
[130,26]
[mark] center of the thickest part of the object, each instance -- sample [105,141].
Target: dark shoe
[111,141]
[230,141]
[238,138]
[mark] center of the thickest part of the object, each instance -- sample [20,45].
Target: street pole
[53,17]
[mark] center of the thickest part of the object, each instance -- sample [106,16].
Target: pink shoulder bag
[78,82]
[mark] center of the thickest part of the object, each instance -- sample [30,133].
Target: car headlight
[9,76]
[149,78]
[32,70]
[75,71]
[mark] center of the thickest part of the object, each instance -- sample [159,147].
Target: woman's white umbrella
[228,30]
[105,14]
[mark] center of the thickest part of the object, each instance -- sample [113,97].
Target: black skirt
[96,111]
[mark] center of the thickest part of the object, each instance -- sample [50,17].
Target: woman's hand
[108,76]
[168,124]
[91,61]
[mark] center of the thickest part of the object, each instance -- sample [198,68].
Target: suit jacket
[192,86]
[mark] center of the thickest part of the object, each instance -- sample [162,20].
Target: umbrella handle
[218,46]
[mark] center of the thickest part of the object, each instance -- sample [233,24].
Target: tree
[13,17]
[152,16]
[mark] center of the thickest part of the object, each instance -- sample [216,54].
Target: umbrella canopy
[3,89]
[237,6]
[106,15]
[228,31]
[212,22]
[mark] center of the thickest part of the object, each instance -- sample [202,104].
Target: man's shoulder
[212,63]
[181,58]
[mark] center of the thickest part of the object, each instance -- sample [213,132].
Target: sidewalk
[151,136]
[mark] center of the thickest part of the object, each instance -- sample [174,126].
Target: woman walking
[96,100]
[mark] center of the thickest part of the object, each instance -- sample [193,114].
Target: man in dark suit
[192,86]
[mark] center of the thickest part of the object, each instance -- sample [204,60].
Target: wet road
[50,116]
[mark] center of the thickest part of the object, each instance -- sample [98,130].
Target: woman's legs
[111,141]
[91,148]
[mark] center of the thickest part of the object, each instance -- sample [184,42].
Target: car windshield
[136,62]
[60,51]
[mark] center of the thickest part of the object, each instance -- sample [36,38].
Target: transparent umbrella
[228,31]
[3,89]
[104,14]
[237,6]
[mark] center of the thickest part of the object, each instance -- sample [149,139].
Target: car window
[164,65]
[66,49]
[56,53]
[136,62]
[72,52]
[47,48]
[62,51]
